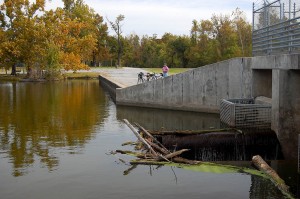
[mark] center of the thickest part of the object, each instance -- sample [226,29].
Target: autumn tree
[83,31]
[222,37]
[101,52]
[21,40]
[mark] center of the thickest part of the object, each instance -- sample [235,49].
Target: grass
[86,75]
[172,71]
[83,75]
[8,77]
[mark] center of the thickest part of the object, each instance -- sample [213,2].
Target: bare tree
[117,27]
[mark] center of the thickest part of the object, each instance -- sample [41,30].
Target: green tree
[132,51]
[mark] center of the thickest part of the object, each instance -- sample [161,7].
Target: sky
[157,17]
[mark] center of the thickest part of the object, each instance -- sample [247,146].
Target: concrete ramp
[200,89]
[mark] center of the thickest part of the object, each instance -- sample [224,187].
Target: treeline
[66,38]
[220,38]
[75,37]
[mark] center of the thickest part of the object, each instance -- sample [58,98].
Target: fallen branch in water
[140,137]
[159,152]
[176,153]
[153,138]
[158,148]
[129,143]
[271,173]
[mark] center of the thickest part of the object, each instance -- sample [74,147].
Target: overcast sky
[148,17]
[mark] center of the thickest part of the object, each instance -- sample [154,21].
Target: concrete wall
[200,89]
[286,109]
[109,85]
[275,77]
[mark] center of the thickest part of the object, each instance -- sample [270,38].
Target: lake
[57,139]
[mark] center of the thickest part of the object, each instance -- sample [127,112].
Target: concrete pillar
[286,109]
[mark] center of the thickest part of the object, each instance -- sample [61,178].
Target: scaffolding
[276,27]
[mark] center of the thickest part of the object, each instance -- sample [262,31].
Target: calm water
[56,140]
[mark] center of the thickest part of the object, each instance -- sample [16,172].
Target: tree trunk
[14,70]
[264,167]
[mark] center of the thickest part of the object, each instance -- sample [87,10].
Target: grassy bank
[172,71]
[4,77]
[78,75]
[82,75]
[88,75]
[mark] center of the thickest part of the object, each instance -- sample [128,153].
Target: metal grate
[245,113]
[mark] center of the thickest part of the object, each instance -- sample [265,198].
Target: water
[56,139]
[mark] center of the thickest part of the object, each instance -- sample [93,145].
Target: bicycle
[154,76]
[141,78]
[148,77]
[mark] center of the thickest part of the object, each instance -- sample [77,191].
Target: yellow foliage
[72,61]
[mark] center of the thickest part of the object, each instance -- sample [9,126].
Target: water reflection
[156,119]
[36,118]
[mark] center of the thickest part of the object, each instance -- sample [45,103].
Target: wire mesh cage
[244,113]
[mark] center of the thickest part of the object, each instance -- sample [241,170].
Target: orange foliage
[72,61]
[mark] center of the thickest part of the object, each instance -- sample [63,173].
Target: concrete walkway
[124,76]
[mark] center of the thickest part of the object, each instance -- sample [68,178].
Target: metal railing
[280,38]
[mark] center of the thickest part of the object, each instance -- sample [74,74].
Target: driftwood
[144,141]
[139,137]
[129,143]
[157,149]
[185,161]
[176,153]
[264,167]
[177,160]
[152,137]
